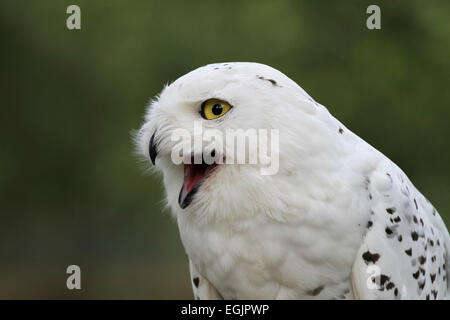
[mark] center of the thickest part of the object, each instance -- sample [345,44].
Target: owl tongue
[193,176]
[193,173]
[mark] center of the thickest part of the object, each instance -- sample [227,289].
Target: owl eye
[214,108]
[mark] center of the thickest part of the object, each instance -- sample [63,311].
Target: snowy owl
[338,220]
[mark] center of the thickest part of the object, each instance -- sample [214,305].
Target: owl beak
[185,196]
[152,149]
[194,175]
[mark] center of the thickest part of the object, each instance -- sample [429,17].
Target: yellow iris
[214,108]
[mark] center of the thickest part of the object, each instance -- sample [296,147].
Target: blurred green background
[72,192]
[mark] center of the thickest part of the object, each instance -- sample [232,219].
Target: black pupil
[217,109]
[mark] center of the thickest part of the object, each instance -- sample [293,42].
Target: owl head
[203,176]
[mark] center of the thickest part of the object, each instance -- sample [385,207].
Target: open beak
[194,175]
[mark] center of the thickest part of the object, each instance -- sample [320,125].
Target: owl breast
[260,259]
